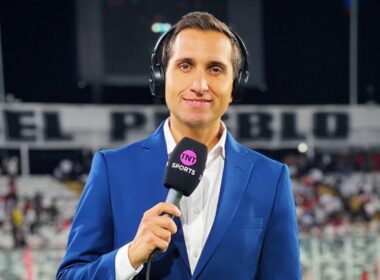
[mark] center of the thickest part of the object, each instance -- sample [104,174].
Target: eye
[184,66]
[216,69]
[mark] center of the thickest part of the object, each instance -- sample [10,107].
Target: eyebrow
[183,59]
[217,63]
[191,61]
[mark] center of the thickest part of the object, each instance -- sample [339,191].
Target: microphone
[184,171]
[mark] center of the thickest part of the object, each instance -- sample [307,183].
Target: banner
[53,126]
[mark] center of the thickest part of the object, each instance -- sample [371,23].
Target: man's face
[199,78]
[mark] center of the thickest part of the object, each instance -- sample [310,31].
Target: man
[240,221]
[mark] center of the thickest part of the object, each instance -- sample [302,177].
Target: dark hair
[206,22]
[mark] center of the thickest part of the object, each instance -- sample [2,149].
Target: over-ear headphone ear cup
[157,71]
[157,81]
[239,84]
[237,87]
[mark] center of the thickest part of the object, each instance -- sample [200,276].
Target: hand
[154,232]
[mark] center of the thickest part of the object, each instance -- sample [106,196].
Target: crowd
[337,193]
[25,215]
[29,217]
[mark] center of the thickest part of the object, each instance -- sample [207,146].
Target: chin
[195,122]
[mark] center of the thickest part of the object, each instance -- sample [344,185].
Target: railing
[29,264]
[338,258]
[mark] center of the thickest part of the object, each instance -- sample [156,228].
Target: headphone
[157,71]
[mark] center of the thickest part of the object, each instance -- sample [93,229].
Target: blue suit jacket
[254,235]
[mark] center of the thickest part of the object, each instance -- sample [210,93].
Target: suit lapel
[237,169]
[157,150]
[153,159]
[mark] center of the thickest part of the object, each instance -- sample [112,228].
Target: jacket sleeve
[280,255]
[90,250]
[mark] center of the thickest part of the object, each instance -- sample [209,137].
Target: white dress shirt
[198,210]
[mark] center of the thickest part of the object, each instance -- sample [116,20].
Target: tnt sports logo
[188,158]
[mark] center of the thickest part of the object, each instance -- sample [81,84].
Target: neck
[205,135]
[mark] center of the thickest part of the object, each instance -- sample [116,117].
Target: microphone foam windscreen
[185,167]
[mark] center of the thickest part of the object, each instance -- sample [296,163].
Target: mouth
[197,100]
[197,103]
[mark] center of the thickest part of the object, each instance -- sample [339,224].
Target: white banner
[265,127]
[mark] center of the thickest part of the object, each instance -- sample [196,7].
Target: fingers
[154,232]
[148,223]
[162,208]
[157,225]
[157,237]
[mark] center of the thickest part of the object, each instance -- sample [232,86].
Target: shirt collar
[218,149]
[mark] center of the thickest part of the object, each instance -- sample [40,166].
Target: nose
[200,84]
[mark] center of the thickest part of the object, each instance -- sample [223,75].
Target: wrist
[132,259]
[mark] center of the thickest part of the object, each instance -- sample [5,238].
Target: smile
[197,103]
[197,100]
